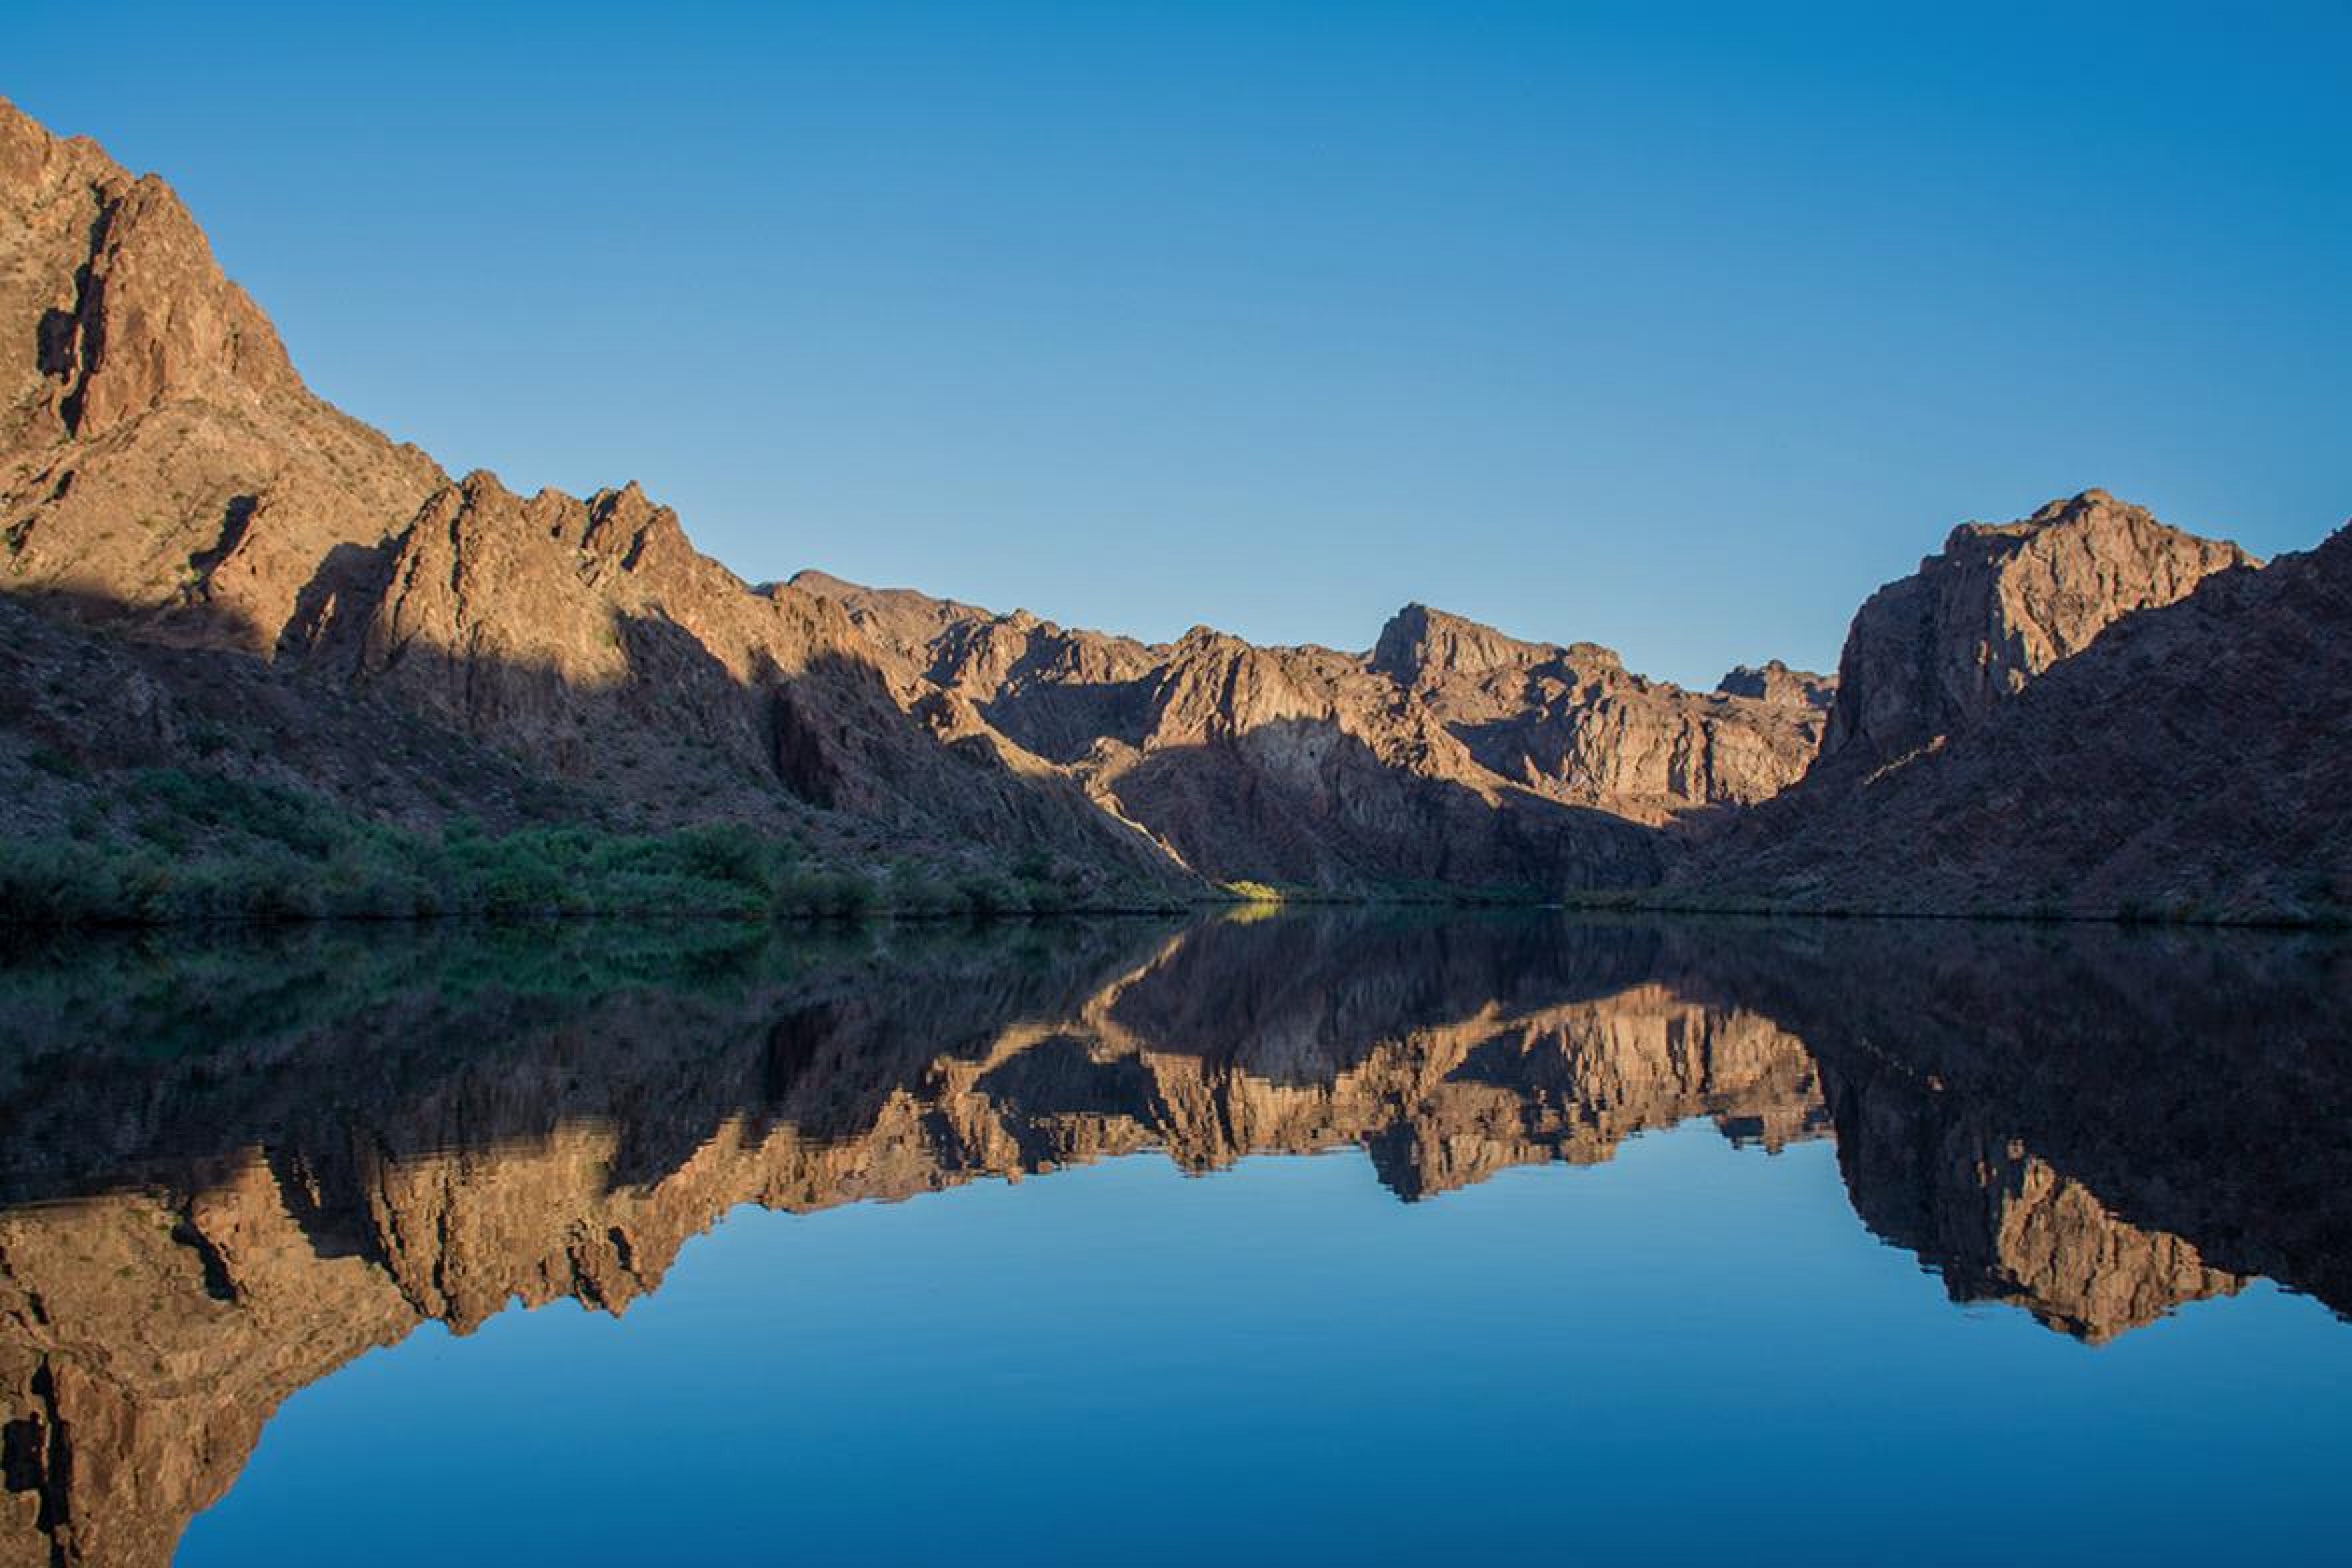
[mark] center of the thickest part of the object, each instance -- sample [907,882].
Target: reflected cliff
[228,1170]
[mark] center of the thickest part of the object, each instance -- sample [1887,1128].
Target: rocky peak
[907,622]
[1933,653]
[144,315]
[626,526]
[1215,686]
[161,462]
[1773,681]
[1420,644]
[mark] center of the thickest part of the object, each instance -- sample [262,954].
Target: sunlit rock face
[1449,753]
[1774,681]
[216,1192]
[159,461]
[165,474]
[1934,653]
[2082,713]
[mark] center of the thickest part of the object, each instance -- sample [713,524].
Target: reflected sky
[1691,1351]
[1354,1239]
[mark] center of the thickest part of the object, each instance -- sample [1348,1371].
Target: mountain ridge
[168,482]
[171,481]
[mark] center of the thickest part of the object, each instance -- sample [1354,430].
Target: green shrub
[726,852]
[1043,896]
[985,895]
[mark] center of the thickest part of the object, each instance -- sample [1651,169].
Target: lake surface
[1376,1238]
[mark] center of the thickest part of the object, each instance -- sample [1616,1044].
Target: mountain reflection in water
[228,1169]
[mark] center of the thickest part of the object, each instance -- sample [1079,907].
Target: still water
[1365,1239]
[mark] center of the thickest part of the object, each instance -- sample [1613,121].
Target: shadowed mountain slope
[166,478]
[226,556]
[2192,757]
[1448,753]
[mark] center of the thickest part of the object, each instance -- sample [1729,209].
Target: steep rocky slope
[1936,653]
[241,558]
[160,460]
[1449,753]
[2082,713]
[166,477]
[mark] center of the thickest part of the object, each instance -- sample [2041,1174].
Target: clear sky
[1667,327]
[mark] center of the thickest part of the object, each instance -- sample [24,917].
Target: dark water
[1349,1240]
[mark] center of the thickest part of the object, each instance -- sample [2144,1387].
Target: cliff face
[1774,681]
[200,1218]
[159,461]
[1934,654]
[2193,760]
[1574,724]
[166,477]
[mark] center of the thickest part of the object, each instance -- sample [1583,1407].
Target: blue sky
[1670,328]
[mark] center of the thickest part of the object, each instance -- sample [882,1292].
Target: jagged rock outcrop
[163,471]
[1933,654]
[159,462]
[1773,681]
[2192,761]
[1448,753]
[591,636]
[1574,724]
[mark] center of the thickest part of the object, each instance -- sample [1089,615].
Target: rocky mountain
[160,460]
[1449,753]
[233,580]
[1774,681]
[167,480]
[226,1172]
[1934,653]
[2081,714]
